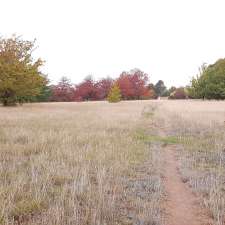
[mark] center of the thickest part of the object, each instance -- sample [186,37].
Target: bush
[179,93]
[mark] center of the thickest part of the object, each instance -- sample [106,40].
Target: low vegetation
[78,163]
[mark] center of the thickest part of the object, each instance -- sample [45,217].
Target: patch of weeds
[26,208]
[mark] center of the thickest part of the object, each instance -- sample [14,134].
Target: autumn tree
[133,84]
[102,88]
[63,91]
[151,90]
[114,94]
[20,76]
[86,90]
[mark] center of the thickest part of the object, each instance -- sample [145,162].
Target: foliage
[114,94]
[103,87]
[45,94]
[151,91]
[160,88]
[90,90]
[179,93]
[20,78]
[63,91]
[21,81]
[133,84]
[210,83]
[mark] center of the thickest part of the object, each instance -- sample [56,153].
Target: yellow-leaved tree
[114,94]
[20,77]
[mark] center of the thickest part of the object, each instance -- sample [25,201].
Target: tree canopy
[20,77]
[210,83]
[133,84]
[160,88]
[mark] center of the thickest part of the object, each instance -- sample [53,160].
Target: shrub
[179,93]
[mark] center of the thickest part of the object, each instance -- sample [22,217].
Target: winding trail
[181,206]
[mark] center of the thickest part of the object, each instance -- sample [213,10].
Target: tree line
[132,85]
[21,80]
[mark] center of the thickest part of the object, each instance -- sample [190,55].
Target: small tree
[114,94]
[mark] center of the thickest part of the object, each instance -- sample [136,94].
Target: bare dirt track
[181,205]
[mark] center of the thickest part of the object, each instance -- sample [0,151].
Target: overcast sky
[168,39]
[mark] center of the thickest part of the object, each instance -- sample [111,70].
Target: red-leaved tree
[103,87]
[133,84]
[86,90]
[89,90]
[63,91]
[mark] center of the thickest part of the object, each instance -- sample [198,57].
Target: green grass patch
[141,135]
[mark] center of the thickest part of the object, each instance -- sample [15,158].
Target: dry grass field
[98,163]
[77,163]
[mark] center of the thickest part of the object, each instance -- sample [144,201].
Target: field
[98,163]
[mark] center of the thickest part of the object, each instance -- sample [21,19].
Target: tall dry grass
[199,129]
[78,163]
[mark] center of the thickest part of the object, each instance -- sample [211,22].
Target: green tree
[160,88]
[114,94]
[20,78]
[45,94]
[210,83]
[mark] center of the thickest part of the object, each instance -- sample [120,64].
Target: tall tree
[20,76]
[210,83]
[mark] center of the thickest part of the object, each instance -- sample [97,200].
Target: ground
[133,162]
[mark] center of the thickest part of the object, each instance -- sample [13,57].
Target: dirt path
[181,205]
